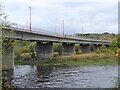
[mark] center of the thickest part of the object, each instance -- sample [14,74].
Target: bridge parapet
[19,27]
[23,28]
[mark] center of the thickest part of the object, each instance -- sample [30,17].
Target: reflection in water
[76,77]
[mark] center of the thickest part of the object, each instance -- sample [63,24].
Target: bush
[26,56]
[18,52]
[77,49]
[58,48]
[118,52]
[105,50]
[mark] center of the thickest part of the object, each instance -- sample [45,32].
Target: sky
[80,16]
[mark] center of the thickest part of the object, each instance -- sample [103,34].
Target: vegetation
[73,60]
[100,57]
[25,52]
[103,36]
[24,49]
[5,43]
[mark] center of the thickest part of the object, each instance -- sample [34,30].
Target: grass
[73,60]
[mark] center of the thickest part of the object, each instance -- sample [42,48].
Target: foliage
[77,49]
[118,52]
[18,52]
[114,43]
[103,36]
[73,60]
[25,49]
[105,50]
[106,37]
[118,40]
[3,15]
[6,42]
[58,48]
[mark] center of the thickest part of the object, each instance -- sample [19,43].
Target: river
[26,76]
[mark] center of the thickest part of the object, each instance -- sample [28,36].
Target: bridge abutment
[44,50]
[85,48]
[8,57]
[68,48]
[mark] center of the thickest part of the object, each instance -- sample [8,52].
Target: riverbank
[73,60]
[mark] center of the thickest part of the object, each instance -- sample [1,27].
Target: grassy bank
[73,60]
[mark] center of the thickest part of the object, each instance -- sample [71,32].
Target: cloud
[94,16]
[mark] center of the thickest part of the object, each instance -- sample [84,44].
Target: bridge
[45,39]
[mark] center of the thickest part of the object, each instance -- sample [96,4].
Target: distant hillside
[103,36]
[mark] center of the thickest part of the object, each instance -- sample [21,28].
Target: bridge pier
[44,50]
[96,46]
[85,48]
[8,57]
[107,46]
[68,48]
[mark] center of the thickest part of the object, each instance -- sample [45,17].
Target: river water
[26,76]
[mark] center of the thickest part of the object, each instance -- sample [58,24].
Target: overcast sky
[94,16]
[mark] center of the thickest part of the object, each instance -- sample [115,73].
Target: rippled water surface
[75,77]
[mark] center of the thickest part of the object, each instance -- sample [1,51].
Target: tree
[4,44]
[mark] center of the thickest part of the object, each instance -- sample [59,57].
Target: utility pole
[82,31]
[27,23]
[63,28]
[30,18]
[27,26]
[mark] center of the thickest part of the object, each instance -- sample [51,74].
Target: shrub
[18,52]
[77,49]
[26,56]
[105,50]
[118,52]
[58,48]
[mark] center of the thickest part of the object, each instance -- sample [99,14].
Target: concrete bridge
[45,39]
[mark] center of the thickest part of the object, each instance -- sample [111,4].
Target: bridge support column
[68,48]
[85,48]
[44,50]
[8,56]
[107,46]
[95,47]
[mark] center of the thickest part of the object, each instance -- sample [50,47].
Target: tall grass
[73,60]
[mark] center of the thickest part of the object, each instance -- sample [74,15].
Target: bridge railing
[27,28]
[43,31]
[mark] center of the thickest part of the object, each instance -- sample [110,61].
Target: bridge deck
[23,32]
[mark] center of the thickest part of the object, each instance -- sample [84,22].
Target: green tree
[116,42]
